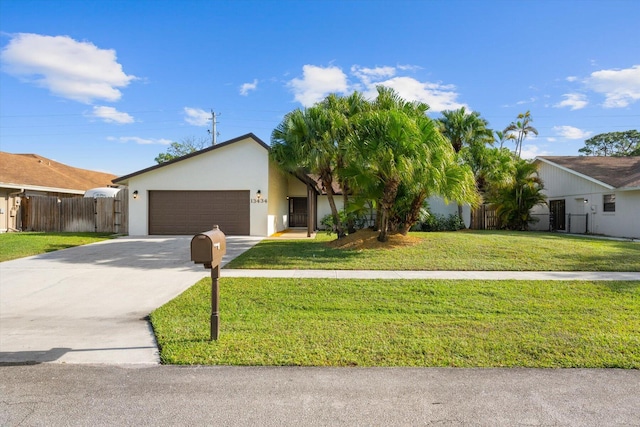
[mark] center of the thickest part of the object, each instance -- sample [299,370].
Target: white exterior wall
[575,190]
[437,205]
[324,208]
[242,165]
[278,206]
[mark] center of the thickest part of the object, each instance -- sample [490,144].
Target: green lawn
[19,245]
[405,323]
[463,250]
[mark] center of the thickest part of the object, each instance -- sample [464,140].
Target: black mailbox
[208,247]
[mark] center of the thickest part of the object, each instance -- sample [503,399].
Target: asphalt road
[85,395]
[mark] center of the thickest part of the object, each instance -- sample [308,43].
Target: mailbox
[208,247]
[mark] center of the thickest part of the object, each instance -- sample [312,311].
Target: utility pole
[214,134]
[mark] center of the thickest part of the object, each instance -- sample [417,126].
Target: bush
[438,222]
[359,221]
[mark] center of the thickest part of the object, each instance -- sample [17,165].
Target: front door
[556,215]
[297,212]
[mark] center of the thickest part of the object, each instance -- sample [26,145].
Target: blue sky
[106,85]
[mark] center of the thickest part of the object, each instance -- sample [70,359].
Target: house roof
[122,179]
[31,171]
[614,172]
[317,183]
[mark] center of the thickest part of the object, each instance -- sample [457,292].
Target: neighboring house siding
[4,212]
[242,165]
[584,196]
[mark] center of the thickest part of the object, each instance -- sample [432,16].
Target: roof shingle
[34,170]
[618,172]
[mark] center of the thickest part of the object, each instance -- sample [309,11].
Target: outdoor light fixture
[586,201]
[258,194]
[135,194]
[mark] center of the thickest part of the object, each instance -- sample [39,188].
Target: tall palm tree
[519,130]
[468,134]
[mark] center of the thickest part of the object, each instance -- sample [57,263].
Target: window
[609,203]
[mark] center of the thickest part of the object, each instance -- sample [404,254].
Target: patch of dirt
[368,239]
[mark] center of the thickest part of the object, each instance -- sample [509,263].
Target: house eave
[123,180]
[27,187]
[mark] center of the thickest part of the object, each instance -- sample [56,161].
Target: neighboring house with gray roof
[26,175]
[596,195]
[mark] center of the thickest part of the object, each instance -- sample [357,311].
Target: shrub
[438,222]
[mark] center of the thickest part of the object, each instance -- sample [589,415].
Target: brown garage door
[191,212]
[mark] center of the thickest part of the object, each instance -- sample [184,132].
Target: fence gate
[484,218]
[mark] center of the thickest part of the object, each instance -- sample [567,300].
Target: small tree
[613,144]
[186,146]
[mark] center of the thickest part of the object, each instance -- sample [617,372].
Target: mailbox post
[208,248]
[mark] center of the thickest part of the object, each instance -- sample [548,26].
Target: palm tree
[519,130]
[515,198]
[463,128]
[342,111]
[305,142]
[399,158]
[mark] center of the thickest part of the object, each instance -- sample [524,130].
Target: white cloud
[247,87]
[572,78]
[570,132]
[196,116]
[532,151]
[318,82]
[68,68]
[551,139]
[439,97]
[620,87]
[141,141]
[527,101]
[367,75]
[575,101]
[408,67]
[111,115]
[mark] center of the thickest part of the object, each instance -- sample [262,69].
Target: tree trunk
[334,211]
[460,213]
[388,198]
[413,214]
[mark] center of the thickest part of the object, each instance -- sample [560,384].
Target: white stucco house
[232,184]
[596,195]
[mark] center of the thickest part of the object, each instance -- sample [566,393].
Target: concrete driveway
[89,304]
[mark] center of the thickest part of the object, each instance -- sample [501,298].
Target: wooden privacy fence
[76,214]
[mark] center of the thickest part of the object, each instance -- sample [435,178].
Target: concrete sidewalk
[457,275]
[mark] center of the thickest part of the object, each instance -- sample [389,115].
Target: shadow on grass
[291,252]
[622,287]
[623,256]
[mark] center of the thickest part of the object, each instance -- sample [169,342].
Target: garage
[191,212]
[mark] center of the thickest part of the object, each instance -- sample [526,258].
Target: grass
[405,323]
[463,250]
[19,245]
